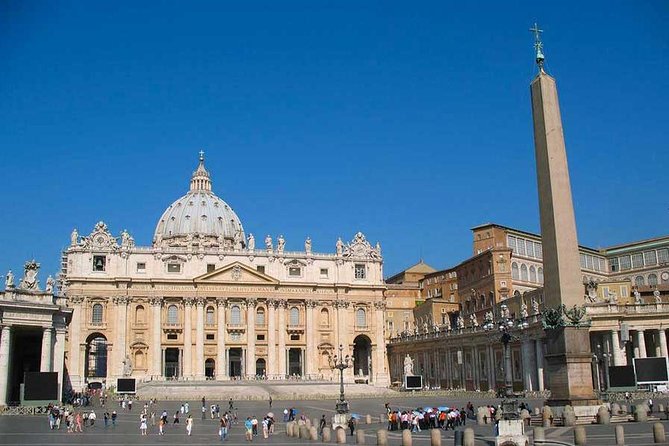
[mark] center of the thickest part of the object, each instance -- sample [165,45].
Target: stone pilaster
[75,360]
[641,343]
[250,337]
[282,304]
[616,350]
[310,332]
[380,367]
[528,351]
[189,302]
[221,360]
[5,349]
[47,354]
[663,342]
[156,352]
[59,357]
[272,368]
[199,339]
[539,357]
[120,347]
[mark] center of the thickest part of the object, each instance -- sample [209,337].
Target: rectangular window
[99,263]
[172,337]
[650,258]
[324,273]
[614,264]
[625,263]
[210,337]
[295,271]
[260,337]
[588,262]
[173,267]
[623,291]
[141,267]
[637,260]
[210,267]
[511,241]
[582,257]
[663,256]
[360,272]
[521,247]
[294,337]
[260,269]
[539,250]
[530,249]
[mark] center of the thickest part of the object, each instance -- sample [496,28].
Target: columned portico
[641,344]
[539,355]
[282,304]
[5,348]
[310,331]
[120,346]
[662,335]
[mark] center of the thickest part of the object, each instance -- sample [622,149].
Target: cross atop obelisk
[538,46]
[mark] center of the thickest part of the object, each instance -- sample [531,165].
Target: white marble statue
[523,310]
[238,240]
[29,281]
[74,237]
[473,320]
[268,243]
[447,323]
[613,297]
[158,239]
[425,328]
[460,322]
[49,284]
[9,280]
[307,246]
[637,297]
[656,295]
[408,366]
[280,244]
[535,306]
[251,242]
[504,311]
[340,247]
[127,366]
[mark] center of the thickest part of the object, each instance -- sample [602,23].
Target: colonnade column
[47,341]
[250,337]
[282,304]
[271,338]
[188,338]
[199,339]
[663,342]
[5,348]
[121,329]
[59,358]
[641,343]
[76,329]
[539,351]
[156,341]
[528,366]
[381,376]
[615,349]
[221,360]
[310,330]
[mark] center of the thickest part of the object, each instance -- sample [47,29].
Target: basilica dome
[199,217]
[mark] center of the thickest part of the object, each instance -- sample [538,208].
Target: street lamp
[341,363]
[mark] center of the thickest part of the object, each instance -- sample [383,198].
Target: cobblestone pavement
[34,430]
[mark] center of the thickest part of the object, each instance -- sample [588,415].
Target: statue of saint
[307,245]
[157,240]
[473,320]
[280,244]
[425,327]
[74,237]
[535,306]
[9,281]
[637,297]
[125,239]
[447,323]
[523,310]
[613,297]
[408,366]
[238,240]
[127,366]
[49,284]
[461,322]
[340,247]
[656,294]
[268,243]
[504,311]
[252,242]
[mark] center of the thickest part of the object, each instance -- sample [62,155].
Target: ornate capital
[271,303]
[221,302]
[75,300]
[121,300]
[189,301]
[380,305]
[311,303]
[251,302]
[200,301]
[340,303]
[156,301]
[282,303]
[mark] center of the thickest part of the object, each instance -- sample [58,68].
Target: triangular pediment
[236,272]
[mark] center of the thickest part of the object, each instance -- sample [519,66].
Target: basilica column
[188,338]
[221,364]
[663,342]
[310,331]
[250,337]
[199,339]
[75,360]
[539,351]
[528,366]
[641,343]
[381,376]
[156,344]
[47,341]
[121,329]
[5,349]
[616,350]
[271,338]
[282,304]
[59,357]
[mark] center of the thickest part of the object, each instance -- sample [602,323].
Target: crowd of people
[419,419]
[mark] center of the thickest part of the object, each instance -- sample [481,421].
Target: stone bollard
[482,413]
[340,435]
[468,438]
[406,438]
[615,409]
[304,432]
[579,436]
[539,433]
[603,416]
[660,408]
[546,416]
[326,434]
[620,435]
[641,413]
[307,422]
[457,438]
[359,436]
[313,433]
[525,416]
[289,429]
[368,419]
[623,408]
[435,437]
[568,416]
[382,437]
[658,433]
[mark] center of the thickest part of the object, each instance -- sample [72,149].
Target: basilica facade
[204,301]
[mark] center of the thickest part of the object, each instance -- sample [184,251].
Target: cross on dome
[200,180]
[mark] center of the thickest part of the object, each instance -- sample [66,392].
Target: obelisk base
[569,367]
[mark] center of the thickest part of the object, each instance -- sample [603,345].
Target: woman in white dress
[189,424]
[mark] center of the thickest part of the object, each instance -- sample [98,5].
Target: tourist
[189,425]
[204,410]
[70,422]
[270,401]
[106,418]
[321,425]
[113,418]
[650,405]
[153,418]
[351,424]
[265,428]
[187,407]
[130,406]
[248,425]
[254,425]
[414,425]
[223,430]
[230,405]
[218,411]
[183,409]
[161,425]
[285,415]
[92,417]
[78,423]
[212,411]
[176,418]
[142,424]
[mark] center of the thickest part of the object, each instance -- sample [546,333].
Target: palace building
[204,302]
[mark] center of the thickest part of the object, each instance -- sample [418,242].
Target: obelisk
[568,354]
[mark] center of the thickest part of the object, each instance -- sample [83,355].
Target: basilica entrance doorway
[235,355]
[172,369]
[362,352]
[295,362]
[209,368]
[96,356]
[260,367]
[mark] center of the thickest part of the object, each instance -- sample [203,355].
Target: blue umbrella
[356,416]
[442,408]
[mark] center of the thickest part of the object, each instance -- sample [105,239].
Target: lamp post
[341,363]
[505,324]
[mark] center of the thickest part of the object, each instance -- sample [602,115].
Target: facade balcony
[297,328]
[172,327]
[362,328]
[236,328]
[97,325]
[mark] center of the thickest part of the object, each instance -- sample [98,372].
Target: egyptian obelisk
[568,354]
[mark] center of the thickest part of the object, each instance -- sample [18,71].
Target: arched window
[209,316]
[540,274]
[639,281]
[139,315]
[325,317]
[235,315]
[360,317]
[533,274]
[97,314]
[294,316]
[652,279]
[523,272]
[172,315]
[514,271]
[260,316]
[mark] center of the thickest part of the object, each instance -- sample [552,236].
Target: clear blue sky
[408,121]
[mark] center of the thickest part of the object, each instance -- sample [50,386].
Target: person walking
[161,426]
[176,418]
[189,425]
[248,425]
[351,424]
[78,423]
[92,417]
[265,428]
[142,424]
[113,418]
[270,401]
[204,410]
[321,425]
[223,430]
